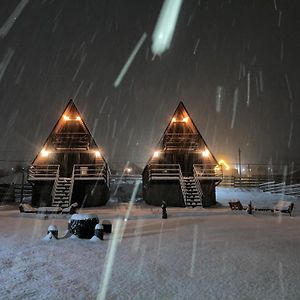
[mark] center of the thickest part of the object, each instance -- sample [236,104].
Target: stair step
[192,195]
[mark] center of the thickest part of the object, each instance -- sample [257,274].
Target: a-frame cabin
[182,171]
[70,167]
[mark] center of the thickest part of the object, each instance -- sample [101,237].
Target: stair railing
[198,184]
[71,185]
[42,172]
[208,172]
[182,185]
[108,174]
[55,183]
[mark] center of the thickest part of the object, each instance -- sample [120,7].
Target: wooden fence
[281,188]
[232,181]
[13,192]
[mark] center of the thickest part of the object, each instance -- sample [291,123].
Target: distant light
[44,153]
[174,120]
[223,163]
[78,118]
[156,154]
[128,170]
[185,120]
[97,153]
[165,26]
[205,153]
[66,118]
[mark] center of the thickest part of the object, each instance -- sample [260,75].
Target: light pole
[22,187]
[240,163]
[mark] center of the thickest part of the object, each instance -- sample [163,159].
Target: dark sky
[75,49]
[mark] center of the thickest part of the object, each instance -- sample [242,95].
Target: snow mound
[74,237]
[99,226]
[49,237]
[95,239]
[79,217]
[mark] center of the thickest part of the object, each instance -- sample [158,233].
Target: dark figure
[250,208]
[164,210]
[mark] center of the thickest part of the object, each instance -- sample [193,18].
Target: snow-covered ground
[194,254]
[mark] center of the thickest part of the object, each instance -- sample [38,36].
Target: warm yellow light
[128,170]
[44,153]
[78,118]
[66,118]
[205,153]
[185,120]
[156,154]
[173,120]
[223,163]
[97,153]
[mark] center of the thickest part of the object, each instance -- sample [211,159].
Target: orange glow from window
[185,120]
[97,154]
[44,153]
[205,153]
[223,163]
[174,120]
[66,118]
[156,154]
[78,118]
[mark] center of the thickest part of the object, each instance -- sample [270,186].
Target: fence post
[22,187]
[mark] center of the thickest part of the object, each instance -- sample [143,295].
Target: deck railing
[167,172]
[198,184]
[43,172]
[164,172]
[208,172]
[91,172]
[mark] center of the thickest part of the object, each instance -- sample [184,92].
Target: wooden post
[22,187]
[240,163]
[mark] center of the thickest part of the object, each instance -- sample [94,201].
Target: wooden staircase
[193,194]
[62,192]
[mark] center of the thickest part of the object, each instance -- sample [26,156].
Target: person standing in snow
[164,210]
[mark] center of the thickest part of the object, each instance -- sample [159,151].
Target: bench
[236,205]
[281,206]
[284,207]
[27,208]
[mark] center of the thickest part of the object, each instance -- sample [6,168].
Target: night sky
[59,50]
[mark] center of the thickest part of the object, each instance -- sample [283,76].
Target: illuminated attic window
[156,154]
[205,153]
[44,153]
[97,154]
[67,118]
[184,120]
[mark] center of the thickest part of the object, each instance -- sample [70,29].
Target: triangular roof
[182,125]
[69,123]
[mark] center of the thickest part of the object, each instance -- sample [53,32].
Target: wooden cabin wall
[169,191]
[209,193]
[41,193]
[90,193]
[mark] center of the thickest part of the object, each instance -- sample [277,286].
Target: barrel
[83,225]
